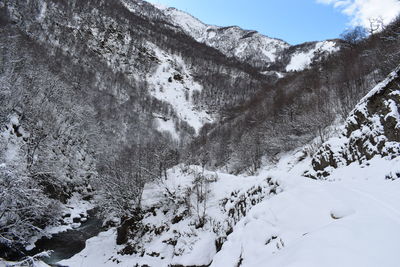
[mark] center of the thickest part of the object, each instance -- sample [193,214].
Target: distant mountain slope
[300,57]
[248,45]
[245,45]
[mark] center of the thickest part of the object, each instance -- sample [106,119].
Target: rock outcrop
[372,129]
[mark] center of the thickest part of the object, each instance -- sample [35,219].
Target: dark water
[67,244]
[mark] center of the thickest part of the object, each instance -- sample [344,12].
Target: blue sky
[294,21]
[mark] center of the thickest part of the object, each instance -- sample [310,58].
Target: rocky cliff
[372,129]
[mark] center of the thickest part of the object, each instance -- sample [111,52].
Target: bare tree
[354,35]
[375,25]
[122,179]
[24,208]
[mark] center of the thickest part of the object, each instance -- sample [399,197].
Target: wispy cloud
[362,12]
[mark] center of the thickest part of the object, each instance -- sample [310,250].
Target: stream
[66,244]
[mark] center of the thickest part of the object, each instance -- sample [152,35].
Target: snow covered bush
[24,207]
[123,174]
[30,261]
[198,196]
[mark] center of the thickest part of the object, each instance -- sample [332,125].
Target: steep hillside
[372,129]
[148,56]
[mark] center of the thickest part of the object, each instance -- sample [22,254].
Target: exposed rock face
[372,128]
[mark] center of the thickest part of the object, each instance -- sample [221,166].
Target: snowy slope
[189,24]
[179,240]
[171,81]
[302,59]
[98,38]
[372,128]
[247,46]
[351,221]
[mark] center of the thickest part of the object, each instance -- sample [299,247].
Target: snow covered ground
[351,219]
[194,246]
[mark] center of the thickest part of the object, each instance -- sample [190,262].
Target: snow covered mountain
[245,45]
[194,144]
[250,46]
[143,59]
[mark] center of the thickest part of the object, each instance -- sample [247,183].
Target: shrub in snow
[393,175]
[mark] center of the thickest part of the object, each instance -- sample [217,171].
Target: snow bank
[352,221]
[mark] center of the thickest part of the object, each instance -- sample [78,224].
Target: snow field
[351,219]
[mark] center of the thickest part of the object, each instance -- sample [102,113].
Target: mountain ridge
[248,46]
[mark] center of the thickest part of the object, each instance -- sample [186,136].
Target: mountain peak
[233,41]
[160,6]
[248,46]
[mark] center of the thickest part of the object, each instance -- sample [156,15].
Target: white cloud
[362,12]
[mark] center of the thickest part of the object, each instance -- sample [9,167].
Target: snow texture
[348,222]
[172,82]
[303,59]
